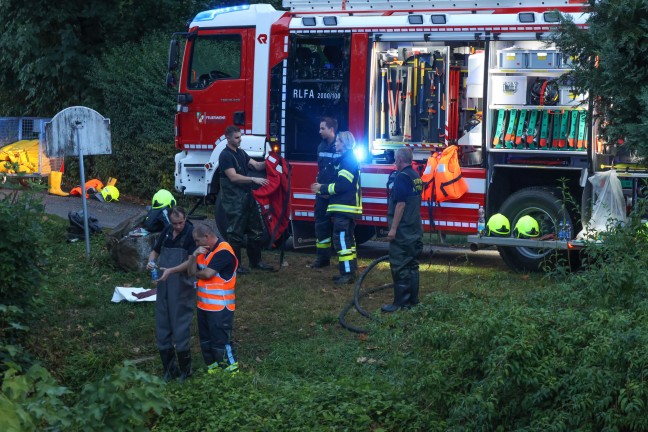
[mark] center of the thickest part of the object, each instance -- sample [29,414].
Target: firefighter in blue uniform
[345,206]
[326,158]
[405,231]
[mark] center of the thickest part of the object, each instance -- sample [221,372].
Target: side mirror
[172,64]
[171,80]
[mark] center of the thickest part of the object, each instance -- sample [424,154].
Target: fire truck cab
[422,74]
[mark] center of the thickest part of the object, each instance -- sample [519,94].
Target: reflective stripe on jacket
[216,293]
[345,195]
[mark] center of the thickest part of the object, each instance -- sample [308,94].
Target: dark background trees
[110,56]
[47,49]
[611,60]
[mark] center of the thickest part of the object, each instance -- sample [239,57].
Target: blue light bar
[211,14]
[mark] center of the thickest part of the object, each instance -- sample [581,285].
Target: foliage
[624,283]
[22,248]
[46,50]
[121,401]
[611,63]
[30,398]
[130,80]
[486,349]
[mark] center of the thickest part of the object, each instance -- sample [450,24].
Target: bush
[121,401]
[131,80]
[23,248]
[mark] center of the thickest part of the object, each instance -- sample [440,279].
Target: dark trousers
[403,257]
[215,332]
[344,243]
[174,305]
[323,226]
[244,218]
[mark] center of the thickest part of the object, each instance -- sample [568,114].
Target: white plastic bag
[610,206]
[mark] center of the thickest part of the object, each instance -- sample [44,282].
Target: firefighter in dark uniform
[405,231]
[176,296]
[326,158]
[345,205]
[243,216]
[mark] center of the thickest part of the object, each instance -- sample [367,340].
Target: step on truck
[422,74]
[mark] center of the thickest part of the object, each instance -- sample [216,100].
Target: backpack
[76,229]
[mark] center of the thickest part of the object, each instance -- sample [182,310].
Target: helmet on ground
[498,225]
[110,193]
[526,226]
[162,199]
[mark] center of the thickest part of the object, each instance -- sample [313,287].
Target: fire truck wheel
[546,208]
[364,233]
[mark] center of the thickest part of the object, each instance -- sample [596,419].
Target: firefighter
[175,300]
[405,231]
[214,264]
[326,158]
[243,216]
[345,205]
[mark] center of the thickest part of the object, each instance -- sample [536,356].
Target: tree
[611,63]
[45,50]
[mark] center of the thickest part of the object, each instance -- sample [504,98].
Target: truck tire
[364,233]
[547,209]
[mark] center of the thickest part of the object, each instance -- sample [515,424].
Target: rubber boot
[401,296]
[254,255]
[54,184]
[208,355]
[184,361]
[169,366]
[322,258]
[237,251]
[414,287]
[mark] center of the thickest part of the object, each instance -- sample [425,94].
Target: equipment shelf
[549,152]
[530,72]
[540,107]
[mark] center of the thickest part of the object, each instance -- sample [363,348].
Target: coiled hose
[357,295]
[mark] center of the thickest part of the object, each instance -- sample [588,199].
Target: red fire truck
[419,73]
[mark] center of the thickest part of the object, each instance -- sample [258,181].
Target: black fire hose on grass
[357,296]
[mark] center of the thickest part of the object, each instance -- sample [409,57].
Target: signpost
[79,131]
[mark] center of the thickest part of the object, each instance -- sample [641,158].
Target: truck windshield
[213,58]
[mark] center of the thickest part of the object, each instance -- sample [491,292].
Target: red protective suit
[274,197]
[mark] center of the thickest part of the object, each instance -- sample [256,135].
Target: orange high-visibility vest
[449,181]
[428,176]
[90,184]
[443,177]
[216,293]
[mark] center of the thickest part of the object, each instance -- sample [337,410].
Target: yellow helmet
[526,226]
[498,225]
[110,193]
[163,198]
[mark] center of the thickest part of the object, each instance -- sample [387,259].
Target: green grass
[487,349]
[293,306]
[286,328]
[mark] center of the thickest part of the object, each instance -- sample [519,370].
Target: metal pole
[78,125]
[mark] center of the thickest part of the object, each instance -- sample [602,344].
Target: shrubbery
[131,81]
[570,356]
[30,398]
